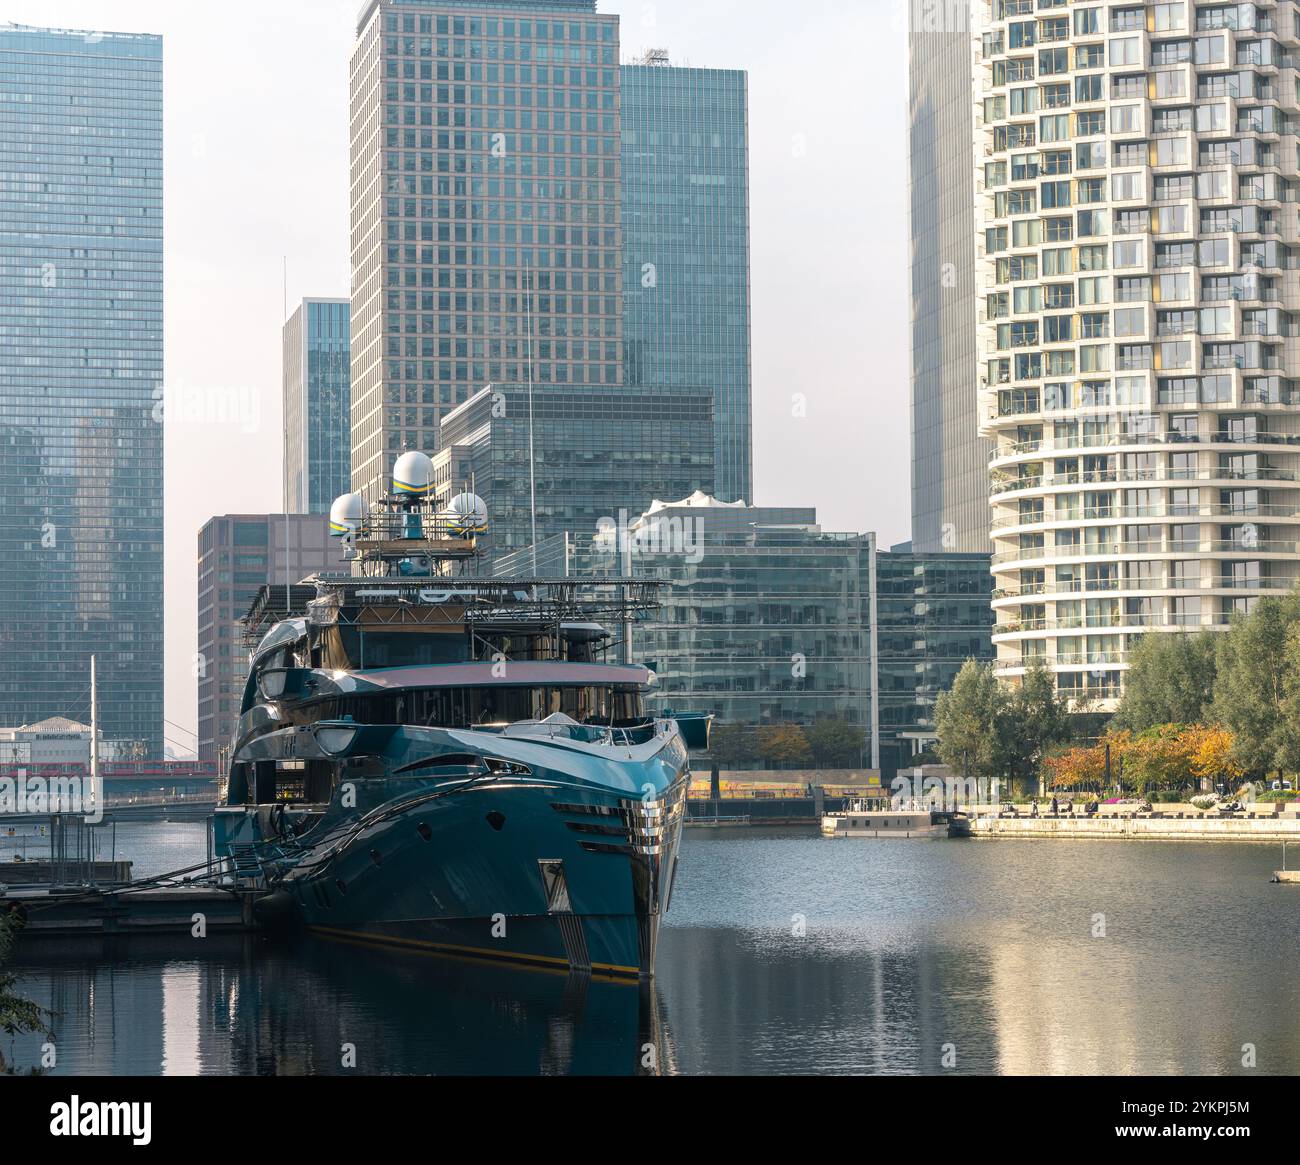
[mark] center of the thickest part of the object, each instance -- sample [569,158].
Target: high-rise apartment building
[686,305]
[486,210]
[81,368]
[238,555]
[949,457]
[1137,197]
[317,406]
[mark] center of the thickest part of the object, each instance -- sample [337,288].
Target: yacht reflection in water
[313,1006]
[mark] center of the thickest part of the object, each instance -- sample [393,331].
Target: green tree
[1170,680]
[16,1013]
[732,745]
[835,744]
[1033,720]
[784,745]
[968,719]
[1250,684]
[1289,752]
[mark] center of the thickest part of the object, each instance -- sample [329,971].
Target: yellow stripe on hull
[551,963]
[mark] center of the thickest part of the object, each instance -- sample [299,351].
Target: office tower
[1137,324]
[597,452]
[485,210]
[238,555]
[317,406]
[949,458]
[686,245]
[81,368]
[932,614]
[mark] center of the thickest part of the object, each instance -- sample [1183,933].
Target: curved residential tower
[1136,277]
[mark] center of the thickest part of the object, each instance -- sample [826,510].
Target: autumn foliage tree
[784,745]
[1164,757]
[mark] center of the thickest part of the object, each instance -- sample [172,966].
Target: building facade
[56,741]
[932,614]
[238,555]
[597,453]
[317,406]
[771,620]
[81,368]
[949,457]
[486,210]
[768,620]
[1137,211]
[686,302]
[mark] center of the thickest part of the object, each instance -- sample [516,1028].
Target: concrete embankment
[1207,828]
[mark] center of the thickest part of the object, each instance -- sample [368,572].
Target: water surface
[783,953]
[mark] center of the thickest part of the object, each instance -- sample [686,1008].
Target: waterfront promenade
[1171,822]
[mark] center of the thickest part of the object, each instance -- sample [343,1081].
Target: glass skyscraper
[949,458]
[81,369]
[238,554]
[932,614]
[686,298]
[317,406]
[597,451]
[486,193]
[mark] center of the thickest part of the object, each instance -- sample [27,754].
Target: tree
[16,1013]
[1082,767]
[1170,680]
[732,745]
[968,719]
[1032,721]
[784,744]
[1250,684]
[835,744]
[1161,757]
[1290,748]
[1212,756]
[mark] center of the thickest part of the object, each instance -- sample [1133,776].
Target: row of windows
[604,31]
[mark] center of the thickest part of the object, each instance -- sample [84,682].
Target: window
[1089,87]
[1125,118]
[1090,155]
[1090,124]
[1125,50]
[1093,289]
[1127,253]
[1171,151]
[1057,261]
[1172,83]
[1054,127]
[1130,321]
[1055,194]
[1087,21]
[1169,17]
[1126,187]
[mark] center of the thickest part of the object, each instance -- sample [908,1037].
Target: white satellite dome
[413,476]
[348,515]
[467,514]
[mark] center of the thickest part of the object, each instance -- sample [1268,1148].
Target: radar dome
[348,515]
[413,476]
[467,514]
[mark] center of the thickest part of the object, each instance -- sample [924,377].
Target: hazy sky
[257,169]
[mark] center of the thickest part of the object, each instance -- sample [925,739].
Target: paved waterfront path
[1206,828]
